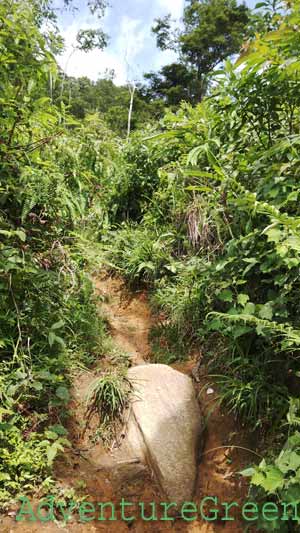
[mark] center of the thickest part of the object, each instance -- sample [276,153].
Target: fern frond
[290,334]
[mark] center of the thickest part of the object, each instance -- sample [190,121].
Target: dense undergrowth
[215,230]
[51,168]
[215,235]
[204,209]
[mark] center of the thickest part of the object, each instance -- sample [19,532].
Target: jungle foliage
[82,97]
[211,31]
[203,208]
[215,235]
[51,168]
[215,229]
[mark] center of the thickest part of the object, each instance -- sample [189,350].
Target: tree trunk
[131,91]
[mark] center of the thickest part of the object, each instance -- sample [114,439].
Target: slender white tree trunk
[65,73]
[132,88]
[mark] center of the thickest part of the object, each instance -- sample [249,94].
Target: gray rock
[164,428]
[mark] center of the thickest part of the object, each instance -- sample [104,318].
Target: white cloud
[131,50]
[91,64]
[175,7]
[120,56]
[132,39]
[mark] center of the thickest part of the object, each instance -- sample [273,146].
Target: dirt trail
[129,318]
[90,469]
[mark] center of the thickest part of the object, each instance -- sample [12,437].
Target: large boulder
[164,428]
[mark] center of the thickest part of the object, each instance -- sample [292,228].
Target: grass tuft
[108,396]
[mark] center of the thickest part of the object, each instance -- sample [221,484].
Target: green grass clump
[108,396]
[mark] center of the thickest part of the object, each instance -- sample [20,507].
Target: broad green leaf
[51,435]
[271,479]
[288,461]
[266,312]
[248,472]
[249,308]
[52,452]
[59,430]
[226,295]
[51,338]
[274,235]
[63,393]
[21,234]
[242,299]
[37,385]
[58,325]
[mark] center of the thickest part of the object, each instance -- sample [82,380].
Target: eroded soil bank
[96,474]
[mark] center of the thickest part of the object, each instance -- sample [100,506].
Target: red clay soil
[130,320]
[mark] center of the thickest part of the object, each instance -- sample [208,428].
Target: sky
[132,47]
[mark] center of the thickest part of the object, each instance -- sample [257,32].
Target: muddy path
[89,470]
